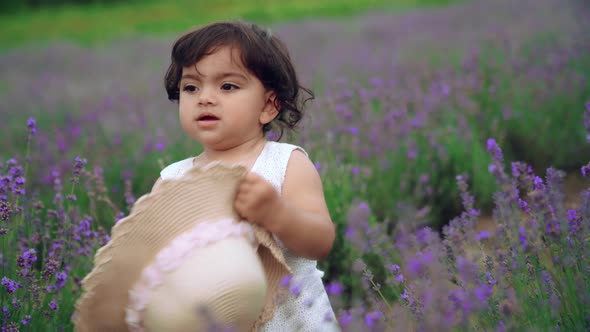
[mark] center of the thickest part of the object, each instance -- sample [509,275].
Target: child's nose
[206,96]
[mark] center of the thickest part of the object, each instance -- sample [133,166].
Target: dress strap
[272,164]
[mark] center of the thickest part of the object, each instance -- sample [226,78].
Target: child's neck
[243,154]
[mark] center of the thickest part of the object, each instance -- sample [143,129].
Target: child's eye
[189,88]
[229,87]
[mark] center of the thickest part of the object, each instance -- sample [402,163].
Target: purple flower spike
[372,318]
[571,215]
[32,125]
[345,318]
[10,285]
[539,183]
[522,237]
[494,149]
[483,235]
[334,288]
[395,269]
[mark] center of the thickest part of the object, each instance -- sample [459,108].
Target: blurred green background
[92,22]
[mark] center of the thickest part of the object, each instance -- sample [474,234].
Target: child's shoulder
[287,148]
[176,168]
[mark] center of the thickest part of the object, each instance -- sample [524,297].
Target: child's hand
[257,200]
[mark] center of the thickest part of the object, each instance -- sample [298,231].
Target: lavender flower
[10,285]
[494,149]
[483,235]
[77,169]
[27,259]
[522,238]
[32,126]
[26,320]
[334,288]
[539,183]
[372,318]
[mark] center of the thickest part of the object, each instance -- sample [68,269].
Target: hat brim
[156,219]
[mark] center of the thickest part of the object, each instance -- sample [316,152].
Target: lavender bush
[530,274]
[391,130]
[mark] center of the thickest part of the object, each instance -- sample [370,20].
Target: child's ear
[270,109]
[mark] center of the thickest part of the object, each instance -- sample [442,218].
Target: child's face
[223,104]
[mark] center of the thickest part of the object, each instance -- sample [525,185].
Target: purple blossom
[27,259]
[61,278]
[490,279]
[372,318]
[522,238]
[515,169]
[77,168]
[334,288]
[467,270]
[345,318]
[456,295]
[26,320]
[318,166]
[523,205]
[10,285]
[160,146]
[395,269]
[494,149]
[119,216]
[538,182]
[483,292]
[419,263]
[571,215]
[483,235]
[32,126]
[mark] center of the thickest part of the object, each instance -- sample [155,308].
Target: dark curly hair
[263,54]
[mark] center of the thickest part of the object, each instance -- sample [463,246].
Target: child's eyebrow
[218,76]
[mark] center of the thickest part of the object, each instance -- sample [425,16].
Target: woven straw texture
[173,208]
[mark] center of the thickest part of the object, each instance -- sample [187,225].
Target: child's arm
[300,217]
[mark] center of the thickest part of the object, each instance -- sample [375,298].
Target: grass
[93,24]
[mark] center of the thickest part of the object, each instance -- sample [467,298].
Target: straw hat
[181,257]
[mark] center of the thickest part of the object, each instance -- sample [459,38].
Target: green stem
[21,216]
[384,301]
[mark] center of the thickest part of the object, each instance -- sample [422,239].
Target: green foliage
[101,20]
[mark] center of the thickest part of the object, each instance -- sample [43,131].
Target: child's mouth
[207,117]
[207,120]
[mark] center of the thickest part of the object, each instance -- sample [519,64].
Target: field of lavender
[423,123]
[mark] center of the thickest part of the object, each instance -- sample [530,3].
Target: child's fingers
[240,205]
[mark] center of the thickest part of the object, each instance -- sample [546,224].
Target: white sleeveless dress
[310,310]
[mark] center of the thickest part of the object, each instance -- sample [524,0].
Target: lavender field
[423,123]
